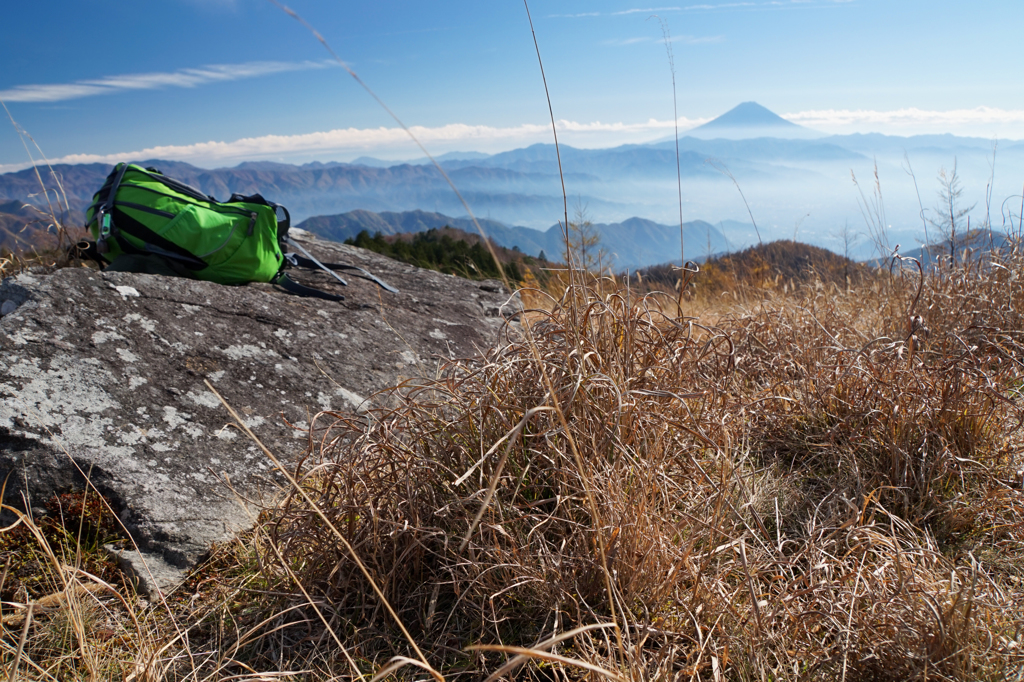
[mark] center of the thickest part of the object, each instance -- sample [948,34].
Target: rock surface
[102,375]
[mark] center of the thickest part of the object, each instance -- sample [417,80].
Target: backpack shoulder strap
[301,262]
[284,221]
[311,260]
[293,287]
[311,263]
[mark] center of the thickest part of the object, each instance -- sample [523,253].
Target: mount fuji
[751,120]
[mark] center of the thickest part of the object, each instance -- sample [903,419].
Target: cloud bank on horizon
[394,143]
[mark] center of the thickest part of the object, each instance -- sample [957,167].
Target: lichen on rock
[102,376]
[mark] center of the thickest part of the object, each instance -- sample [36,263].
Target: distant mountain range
[333,188]
[631,244]
[795,184]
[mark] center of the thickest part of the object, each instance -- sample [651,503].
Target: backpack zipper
[146,209]
[177,185]
[220,206]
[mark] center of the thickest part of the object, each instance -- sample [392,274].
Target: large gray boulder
[102,375]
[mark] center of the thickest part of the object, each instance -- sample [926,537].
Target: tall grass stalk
[552,395]
[667,37]
[724,170]
[334,55]
[872,209]
[909,170]
[351,550]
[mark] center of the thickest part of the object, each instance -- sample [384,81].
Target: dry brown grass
[810,483]
[819,484]
[68,612]
[800,489]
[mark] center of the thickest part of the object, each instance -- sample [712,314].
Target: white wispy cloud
[724,5]
[770,4]
[710,6]
[686,40]
[213,4]
[698,40]
[182,78]
[634,10]
[648,10]
[622,42]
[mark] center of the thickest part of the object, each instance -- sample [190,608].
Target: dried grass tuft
[808,487]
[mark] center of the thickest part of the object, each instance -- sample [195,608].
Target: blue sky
[216,82]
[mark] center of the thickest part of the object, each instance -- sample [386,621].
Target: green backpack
[142,211]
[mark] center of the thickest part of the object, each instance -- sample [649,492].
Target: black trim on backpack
[293,287]
[111,185]
[282,225]
[178,186]
[125,223]
[112,193]
[194,202]
[249,199]
[146,209]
